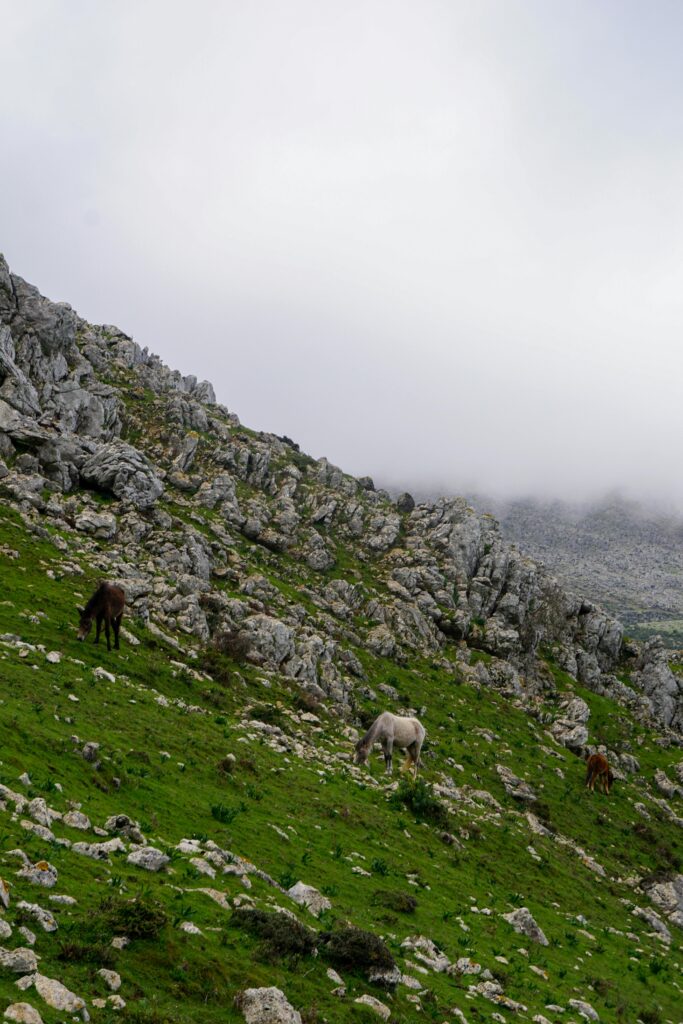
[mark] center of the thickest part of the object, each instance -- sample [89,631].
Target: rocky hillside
[185,835]
[628,557]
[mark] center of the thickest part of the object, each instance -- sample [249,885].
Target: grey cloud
[440,243]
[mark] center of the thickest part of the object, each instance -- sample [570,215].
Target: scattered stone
[523,923]
[40,873]
[99,851]
[58,996]
[514,786]
[190,928]
[111,979]
[426,951]
[74,819]
[148,858]
[380,1009]
[307,896]
[23,1013]
[44,918]
[585,1010]
[20,960]
[267,1006]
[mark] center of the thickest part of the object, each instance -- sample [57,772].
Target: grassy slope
[329,816]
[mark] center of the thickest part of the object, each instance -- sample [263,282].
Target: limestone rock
[149,858]
[307,896]
[125,472]
[44,918]
[523,922]
[20,960]
[58,996]
[584,1009]
[381,1009]
[22,1013]
[267,1006]
[111,979]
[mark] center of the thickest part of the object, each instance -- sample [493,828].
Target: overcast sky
[440,243]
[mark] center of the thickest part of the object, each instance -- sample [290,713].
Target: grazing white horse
[393,731]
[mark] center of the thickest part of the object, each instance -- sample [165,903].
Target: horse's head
[85,624]
[361,754]
[610,780]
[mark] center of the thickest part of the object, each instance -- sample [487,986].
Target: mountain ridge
[276,606]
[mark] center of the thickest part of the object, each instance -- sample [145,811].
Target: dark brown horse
[598,770]
[106,605]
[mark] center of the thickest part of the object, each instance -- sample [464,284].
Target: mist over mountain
[627,554]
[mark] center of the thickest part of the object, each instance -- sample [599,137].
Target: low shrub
[419,798]
[99,953]
[138,918]
[233,643]
[282,937]
[399,902]
[355,949]
[226,815]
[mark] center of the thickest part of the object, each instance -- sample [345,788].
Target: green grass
[330,817]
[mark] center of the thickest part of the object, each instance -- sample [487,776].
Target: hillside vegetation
[160,804]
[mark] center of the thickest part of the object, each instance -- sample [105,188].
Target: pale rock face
[40,873]
[514,786]
[381,1009]
[427,952]
[270,640]
[99,851]
[126,472]
[307,896]
[584,1009]
[23,1013]
[668,896]
[58,996]
[44,918]
[148,858]
[662,687]
[20,960]
[75,819]
[267,1006]
[100,525]
[523,922]
[111,979]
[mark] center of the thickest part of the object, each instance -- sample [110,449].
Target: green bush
[282,937]
[137,918]
[399,902]
[419,798]
[356,949]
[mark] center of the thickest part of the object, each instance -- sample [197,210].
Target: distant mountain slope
[629,558]
[184,835]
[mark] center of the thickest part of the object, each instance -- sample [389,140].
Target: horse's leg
[388,746]
[99,629]
[117,627]
[410,758]
[107,620]
[418,751]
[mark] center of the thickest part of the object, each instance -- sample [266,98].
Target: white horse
[393,731]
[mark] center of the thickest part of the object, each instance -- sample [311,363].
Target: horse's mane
[94,600]
[369,737]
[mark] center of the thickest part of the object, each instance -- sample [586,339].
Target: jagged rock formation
[627,556]
[85,412]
